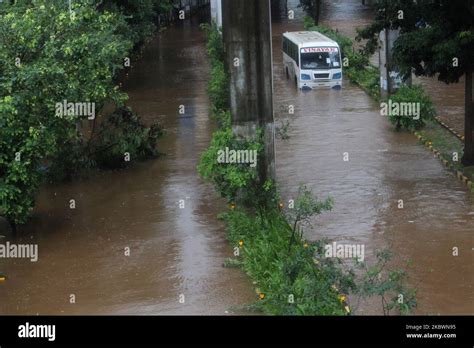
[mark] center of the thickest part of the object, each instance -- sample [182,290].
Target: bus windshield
[320,58]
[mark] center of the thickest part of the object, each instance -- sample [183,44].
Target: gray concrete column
[247,38]
[216,12]
[390,79]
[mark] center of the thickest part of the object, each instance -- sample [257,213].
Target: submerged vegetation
[292,276]
[50,54]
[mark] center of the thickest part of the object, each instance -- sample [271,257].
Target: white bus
[312,60]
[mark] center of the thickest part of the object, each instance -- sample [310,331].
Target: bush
[412,94]
[123,134]
[344,42]
[218,88]
[48,55]
[238,182]
[215,44]
[45,59]
[141,16]
[263,241]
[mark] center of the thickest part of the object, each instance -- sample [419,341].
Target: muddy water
[173,251]
[180,251]
[383,167]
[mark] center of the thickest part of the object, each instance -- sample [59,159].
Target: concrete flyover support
[216,12]
[247,37]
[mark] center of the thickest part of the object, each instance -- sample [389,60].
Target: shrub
[237,182]
[412,94]
[55,65]
[263,241]
[123,133]
[218,87]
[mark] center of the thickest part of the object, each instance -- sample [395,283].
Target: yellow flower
[342,298]
[280,205]
[232,206]
[261,296]
[305,245]
[241,243]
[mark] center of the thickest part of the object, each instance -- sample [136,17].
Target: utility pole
[248,46]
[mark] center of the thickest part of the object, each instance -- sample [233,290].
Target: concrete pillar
[216,12]
[390,79]
[248,45]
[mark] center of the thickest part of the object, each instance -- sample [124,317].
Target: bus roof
[310,38]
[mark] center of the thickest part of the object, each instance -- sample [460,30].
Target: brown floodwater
[384,166]
[173,251]
[177,251]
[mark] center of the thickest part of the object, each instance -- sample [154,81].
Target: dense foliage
[49,55]
[412,94]
[141,15]
[121,138]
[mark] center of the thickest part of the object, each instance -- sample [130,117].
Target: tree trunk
[468,158]
[316,11]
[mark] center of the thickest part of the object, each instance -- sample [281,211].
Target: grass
[447,144]
[367,78]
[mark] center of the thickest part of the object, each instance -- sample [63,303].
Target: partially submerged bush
[415,98]
[122,138]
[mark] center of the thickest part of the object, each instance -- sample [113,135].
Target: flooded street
[383,167]
[173,251]
[179,251]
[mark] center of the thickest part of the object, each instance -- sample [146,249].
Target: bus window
[320,60]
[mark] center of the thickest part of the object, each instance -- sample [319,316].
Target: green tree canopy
[436,38]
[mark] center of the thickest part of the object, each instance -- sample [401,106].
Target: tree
[47,56]
[436,38]
[312,8]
